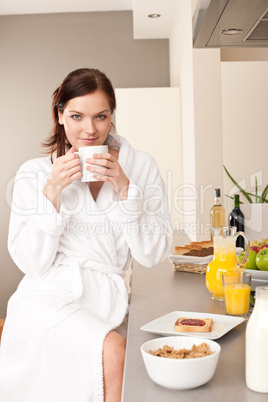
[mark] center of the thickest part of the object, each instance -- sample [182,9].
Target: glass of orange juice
[224,258]
[236,288]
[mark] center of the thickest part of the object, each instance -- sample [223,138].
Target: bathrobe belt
[79,264]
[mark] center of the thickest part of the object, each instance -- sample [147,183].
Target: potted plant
[255,210]
[251,197]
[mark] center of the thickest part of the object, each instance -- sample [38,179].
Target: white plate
[256,274]
[165,325]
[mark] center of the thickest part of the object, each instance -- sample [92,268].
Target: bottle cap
[261,291]
[217,192]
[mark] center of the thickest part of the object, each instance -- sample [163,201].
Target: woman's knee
[114,348]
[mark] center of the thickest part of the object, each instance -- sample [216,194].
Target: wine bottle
[236,218]
[217,212]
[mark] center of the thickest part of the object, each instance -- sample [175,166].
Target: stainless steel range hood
[230,23]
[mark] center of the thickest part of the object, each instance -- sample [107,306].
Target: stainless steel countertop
[158,291]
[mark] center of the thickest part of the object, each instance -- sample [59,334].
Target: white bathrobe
[73,292]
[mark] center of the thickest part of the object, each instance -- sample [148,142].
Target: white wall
[150,119]
[181,75]
[208,133]
[244,116]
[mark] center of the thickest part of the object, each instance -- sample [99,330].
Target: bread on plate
[186,324]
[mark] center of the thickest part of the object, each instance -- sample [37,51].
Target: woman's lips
[88,140]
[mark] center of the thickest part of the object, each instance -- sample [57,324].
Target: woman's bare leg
[113,366]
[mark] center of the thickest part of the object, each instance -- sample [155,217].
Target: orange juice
[237,298]
[224,261]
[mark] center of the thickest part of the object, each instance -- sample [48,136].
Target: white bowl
[180,374]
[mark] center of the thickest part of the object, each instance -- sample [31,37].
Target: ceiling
[143,26]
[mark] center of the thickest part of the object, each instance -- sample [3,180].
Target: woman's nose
[88,125]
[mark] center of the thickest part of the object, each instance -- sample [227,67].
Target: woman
[63,338]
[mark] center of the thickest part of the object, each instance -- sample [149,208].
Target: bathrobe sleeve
[35,225]
[144,215]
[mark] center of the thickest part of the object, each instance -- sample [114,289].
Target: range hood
[230,23]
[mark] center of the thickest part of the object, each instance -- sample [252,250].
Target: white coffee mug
[87,152]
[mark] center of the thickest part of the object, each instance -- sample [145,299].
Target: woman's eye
[76,116]
[101,117]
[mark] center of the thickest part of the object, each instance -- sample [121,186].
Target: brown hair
[79,82]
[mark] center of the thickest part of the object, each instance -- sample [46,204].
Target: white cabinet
[150,120]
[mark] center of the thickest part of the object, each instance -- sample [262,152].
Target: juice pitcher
[224,260]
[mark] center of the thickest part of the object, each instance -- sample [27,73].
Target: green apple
[251,262]
[262,259]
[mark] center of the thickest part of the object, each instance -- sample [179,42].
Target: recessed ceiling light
[154,15]
[231,31]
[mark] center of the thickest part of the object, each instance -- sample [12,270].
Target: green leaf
[264,194]
[256,189]
[246,195]
[260,199]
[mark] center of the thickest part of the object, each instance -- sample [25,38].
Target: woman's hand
[107,168]
[66,169]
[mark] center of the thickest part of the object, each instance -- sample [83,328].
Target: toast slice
[202,244]
[196,247]
[186,324]
[180,250]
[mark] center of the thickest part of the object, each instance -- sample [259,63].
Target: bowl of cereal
[180,362]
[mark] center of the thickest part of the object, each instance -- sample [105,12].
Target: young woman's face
[87,119]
